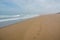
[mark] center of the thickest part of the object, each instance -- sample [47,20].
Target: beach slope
[46,27]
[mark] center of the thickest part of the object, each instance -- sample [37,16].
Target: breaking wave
[9,19]
[16,17]
[9,16]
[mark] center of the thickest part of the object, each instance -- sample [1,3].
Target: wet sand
[45,27]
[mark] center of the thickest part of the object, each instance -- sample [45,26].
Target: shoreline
[46,27]
[16,22]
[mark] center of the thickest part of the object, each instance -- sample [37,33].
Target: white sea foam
[9,16]
[29,16]
[9,19]
[24,17]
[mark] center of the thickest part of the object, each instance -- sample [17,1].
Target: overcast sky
[29,6]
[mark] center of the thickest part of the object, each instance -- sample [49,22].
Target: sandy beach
[46,27]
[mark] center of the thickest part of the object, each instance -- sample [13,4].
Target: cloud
[30,6]
[6,5]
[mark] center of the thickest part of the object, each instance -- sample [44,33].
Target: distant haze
[29,6]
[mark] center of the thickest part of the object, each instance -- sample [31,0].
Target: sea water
[6,20]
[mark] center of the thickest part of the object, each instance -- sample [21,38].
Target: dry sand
[45,27]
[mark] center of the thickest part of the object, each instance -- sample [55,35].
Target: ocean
[6,20]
